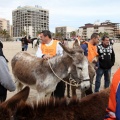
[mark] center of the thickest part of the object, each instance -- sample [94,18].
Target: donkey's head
[81,65]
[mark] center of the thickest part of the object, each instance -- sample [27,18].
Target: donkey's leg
[68,90]
[83,94]
[73,88]
[19,86]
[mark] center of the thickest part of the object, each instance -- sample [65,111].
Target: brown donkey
[91,107]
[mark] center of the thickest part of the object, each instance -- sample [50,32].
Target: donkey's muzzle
[85,85]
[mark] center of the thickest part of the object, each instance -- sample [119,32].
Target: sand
[11,48]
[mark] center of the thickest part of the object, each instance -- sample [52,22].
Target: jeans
[25,47]
[107,75]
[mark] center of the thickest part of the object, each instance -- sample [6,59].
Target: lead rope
[75,84]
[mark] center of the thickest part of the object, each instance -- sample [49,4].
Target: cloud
[68,12]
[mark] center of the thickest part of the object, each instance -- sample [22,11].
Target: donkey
[91,70]
[8,107]
[37,73]
[91,107]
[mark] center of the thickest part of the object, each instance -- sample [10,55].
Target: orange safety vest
[111,110]
[92,52]
[49,50]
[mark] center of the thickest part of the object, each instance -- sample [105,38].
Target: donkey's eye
[79,68]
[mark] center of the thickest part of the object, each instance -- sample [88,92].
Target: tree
[4,34]
[59,35]
[38,32]
[23,33]
[73,34]
[103,34]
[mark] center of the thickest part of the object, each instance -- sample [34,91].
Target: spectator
[111,41]
[22,44]
[6,82]
[25,43]
[79,39]
[90,50]
[47,49]
[106,61]
[113,110]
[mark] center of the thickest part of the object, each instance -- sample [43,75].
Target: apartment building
[65,30]
[30,20]
[111,28]
[5,24]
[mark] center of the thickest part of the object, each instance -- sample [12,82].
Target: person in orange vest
[113,110]
[49,48]
[90,50]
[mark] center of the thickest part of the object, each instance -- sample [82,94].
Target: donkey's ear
[12,102]
[66,49]
[76,44]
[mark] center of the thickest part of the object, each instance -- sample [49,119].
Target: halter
[73,82]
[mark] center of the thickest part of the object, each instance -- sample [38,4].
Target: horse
[91,107]
[43,75]
[32,41]
[35,43]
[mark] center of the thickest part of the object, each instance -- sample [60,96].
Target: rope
[75,84]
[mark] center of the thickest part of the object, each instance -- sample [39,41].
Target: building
[106,27]
[11,31]
[65,31]
[5,25]
[29,20]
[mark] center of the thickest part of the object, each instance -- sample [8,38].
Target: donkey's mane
[91,107]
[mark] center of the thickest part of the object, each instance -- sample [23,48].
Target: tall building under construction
[29,20]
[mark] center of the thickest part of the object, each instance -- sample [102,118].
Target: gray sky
[74,13]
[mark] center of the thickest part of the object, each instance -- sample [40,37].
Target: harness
[72,81]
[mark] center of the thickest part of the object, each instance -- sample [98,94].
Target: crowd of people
[101,54]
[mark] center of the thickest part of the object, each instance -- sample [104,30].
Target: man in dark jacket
[25,43]
[106,61]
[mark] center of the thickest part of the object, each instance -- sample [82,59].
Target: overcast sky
[74,13]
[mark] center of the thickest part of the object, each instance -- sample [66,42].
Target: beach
[11,48]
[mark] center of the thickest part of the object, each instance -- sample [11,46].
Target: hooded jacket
[5,77]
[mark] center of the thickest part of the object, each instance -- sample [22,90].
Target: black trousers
[59,91]
[3,93]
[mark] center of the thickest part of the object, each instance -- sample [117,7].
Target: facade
[5,25]
[111,28]
[11,31]
[29,20]
[65,30]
